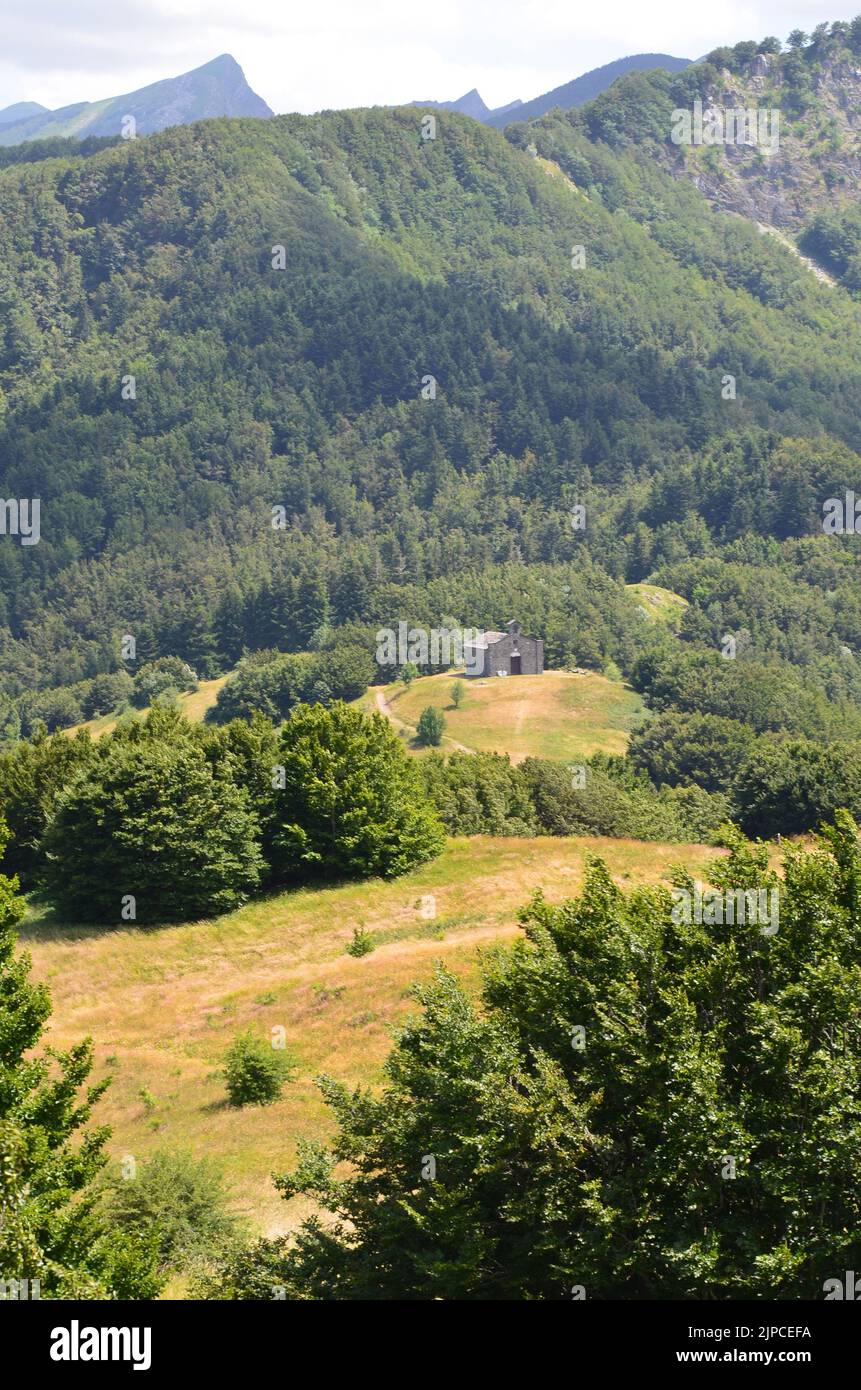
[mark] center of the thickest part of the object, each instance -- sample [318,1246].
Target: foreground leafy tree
[177,1200]
[642,1108]
[352,803]
[152,820]
[51,1227]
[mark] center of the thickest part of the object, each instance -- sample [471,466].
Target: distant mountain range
[218,88]
[575,93]
[470,104]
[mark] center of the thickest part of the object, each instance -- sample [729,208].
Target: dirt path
[385,708]
[519,718]
[818,270]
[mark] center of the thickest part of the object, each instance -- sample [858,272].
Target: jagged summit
[218,88]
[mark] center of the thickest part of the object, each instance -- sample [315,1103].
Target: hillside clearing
[557,715]
[193,703]
[658,604]
[163,1004]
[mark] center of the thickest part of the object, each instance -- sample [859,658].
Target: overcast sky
[336,53]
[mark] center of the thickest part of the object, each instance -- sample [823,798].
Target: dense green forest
[233,457]
[798,172]
[301,388]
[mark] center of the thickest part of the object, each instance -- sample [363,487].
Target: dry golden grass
[163,1004]
[556,715]
[194,705]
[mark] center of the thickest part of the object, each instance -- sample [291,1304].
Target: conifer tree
[55,1241]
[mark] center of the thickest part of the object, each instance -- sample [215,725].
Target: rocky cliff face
[817,159]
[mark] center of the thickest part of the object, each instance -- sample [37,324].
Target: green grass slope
[164,1004]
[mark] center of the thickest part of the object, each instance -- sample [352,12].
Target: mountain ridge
[588,85]
[21,111]
[217,88]
[570,94]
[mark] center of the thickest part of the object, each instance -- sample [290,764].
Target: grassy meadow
[556,715]
[163,1004]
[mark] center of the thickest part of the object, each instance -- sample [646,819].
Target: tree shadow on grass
[218,1107]
[44,923]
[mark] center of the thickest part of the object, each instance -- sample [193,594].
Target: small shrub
[148,1100]
[180,1198]
[255,1071]
[362,943]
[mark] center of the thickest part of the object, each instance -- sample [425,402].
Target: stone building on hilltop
[508,653]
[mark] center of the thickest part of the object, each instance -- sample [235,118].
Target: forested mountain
[218,88]
[164,385]
[802,177]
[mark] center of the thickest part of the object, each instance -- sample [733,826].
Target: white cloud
[333,53]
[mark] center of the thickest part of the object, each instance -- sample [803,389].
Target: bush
[270,688]
[179,1197]
[166,673]
[790,786]
[347,670]
[479,794]
[56,709]
[275,684]
[431,725]
[250,1273]
[255,1071]
[107,693]
[563,807]
[701,814]
[678,748]
[608,803]
[362,943]
[151,819]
